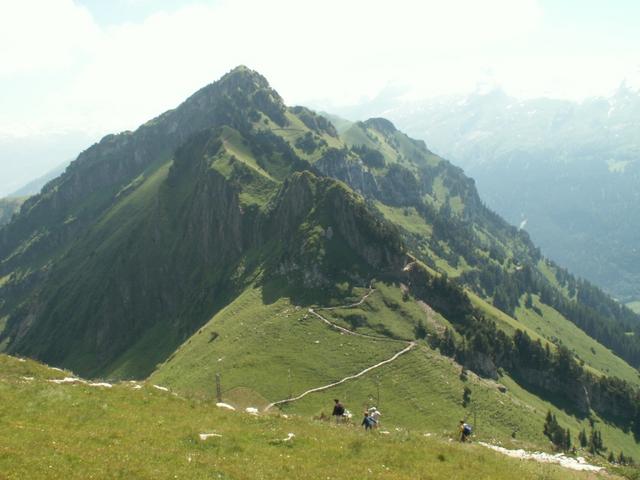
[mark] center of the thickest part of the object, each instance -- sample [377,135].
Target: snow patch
[577,463]
[164,389]
[67,380]
[101,384]
[226,406]
[204,436]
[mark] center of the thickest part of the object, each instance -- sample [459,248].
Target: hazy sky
[97,66]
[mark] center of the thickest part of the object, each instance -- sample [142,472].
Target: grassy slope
[266,352]
[258,345]
[58,431]
[552,325]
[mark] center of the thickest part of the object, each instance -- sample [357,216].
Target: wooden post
[218,388]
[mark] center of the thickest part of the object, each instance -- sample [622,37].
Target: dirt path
[346,379]
[409,347]
[351,305]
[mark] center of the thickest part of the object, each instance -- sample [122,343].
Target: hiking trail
[409,347]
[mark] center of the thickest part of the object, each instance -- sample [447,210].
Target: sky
[79,69]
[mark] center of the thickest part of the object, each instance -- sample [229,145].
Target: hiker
[338,411]
[375,414]
[368,421]
[465,431]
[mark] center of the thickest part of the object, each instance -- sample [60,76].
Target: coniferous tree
[420,330]
[448,346]
[582,437]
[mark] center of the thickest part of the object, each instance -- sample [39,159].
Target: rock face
[356,237]
[337,164]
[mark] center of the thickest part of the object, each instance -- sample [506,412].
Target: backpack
[466,429]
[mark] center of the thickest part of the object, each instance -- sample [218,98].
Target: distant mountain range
[207,241]
[566,172]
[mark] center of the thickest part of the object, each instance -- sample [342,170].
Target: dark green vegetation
[570,169]
[194,246]
[8,207]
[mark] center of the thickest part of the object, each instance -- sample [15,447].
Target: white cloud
[43,34]
[116,78]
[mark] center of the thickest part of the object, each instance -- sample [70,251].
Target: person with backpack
[338,411]
[368,422]
[465,431]
[375,414]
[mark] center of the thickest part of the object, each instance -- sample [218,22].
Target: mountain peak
[381,124]
[244,78]
[240,93]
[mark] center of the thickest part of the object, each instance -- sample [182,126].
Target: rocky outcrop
[339,164]
[328,231]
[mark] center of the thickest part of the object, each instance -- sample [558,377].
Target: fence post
[218,388]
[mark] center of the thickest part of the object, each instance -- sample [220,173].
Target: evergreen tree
[582,437]
[448,346]
[420,330]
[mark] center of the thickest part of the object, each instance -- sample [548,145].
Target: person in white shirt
[375,414]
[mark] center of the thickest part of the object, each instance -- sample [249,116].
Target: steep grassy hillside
[265,352]
[66,431]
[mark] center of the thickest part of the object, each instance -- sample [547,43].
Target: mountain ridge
[554,164]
